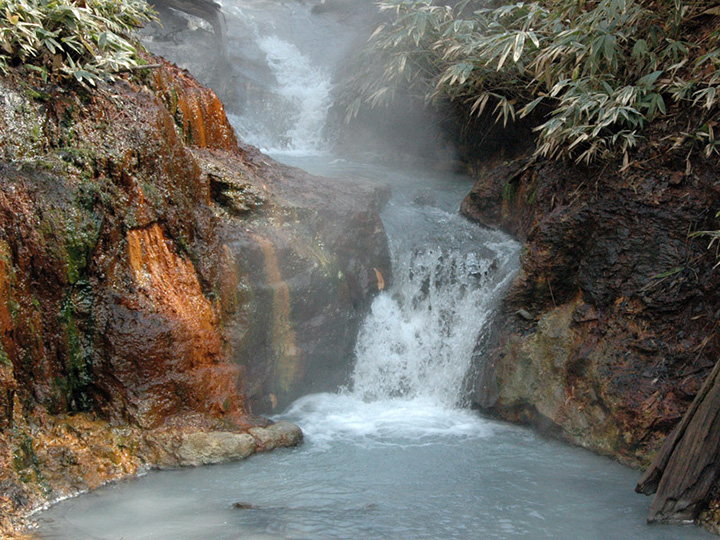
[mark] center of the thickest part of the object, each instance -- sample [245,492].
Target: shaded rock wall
[145,261]
[619,304]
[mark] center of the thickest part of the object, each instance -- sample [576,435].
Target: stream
[397,453]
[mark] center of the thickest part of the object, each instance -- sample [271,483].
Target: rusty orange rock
[142,252]
[196,108]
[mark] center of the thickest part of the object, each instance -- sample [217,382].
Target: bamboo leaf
[504,56]
[519,46]
[480,104]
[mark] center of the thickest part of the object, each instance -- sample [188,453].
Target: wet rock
[195,108]
[279,434]
[244,506]
[626,301]
[214,447]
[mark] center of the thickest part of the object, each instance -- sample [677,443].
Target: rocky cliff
[610,328]
[158,283]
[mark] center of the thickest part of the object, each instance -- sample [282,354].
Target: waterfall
[415,353]
[418,341]
[288,90]
[304,96]
[289,116]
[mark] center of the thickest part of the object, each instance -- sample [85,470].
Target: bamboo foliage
[84,40]
[604,69]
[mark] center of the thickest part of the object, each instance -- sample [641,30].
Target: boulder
[204,448]
[279,434]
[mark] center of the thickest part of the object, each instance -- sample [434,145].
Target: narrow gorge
[437,332]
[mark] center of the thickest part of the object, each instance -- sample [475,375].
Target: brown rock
[279,434]
[607,260]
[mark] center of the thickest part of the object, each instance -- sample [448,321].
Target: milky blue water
[406,469]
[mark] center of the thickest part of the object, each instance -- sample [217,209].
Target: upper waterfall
[301,97]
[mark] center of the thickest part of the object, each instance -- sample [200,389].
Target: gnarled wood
[688,465]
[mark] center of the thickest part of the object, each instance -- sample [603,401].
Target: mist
[285,87]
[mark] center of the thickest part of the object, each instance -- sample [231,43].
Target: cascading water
[286,106]
[414,354]
[395,455]
[419,338]
[306,91]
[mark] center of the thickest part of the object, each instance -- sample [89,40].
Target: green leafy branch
[85,40]
[605,69]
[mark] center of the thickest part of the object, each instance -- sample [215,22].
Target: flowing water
[395,455]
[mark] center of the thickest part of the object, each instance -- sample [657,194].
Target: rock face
[304,270]
[618,302]
[156,280]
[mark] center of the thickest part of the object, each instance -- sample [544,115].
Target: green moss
[151,193]
[82,233]
[77,259]
[37,95]
[508,192]
[27,464]
[79,378]
[533,196]
[14,308]
[183,246]
[24,456]
[4,358]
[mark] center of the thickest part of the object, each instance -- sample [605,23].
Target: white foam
[305,90]
[419,338]
[344,417]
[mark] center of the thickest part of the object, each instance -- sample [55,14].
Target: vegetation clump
[85,40]
[600,70]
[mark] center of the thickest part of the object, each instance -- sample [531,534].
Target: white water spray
[304,92]
[416,349]
[418,341]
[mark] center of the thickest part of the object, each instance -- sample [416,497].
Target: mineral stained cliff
[158,284]
[610,328]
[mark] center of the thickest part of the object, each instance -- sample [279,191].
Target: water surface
[402,469]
